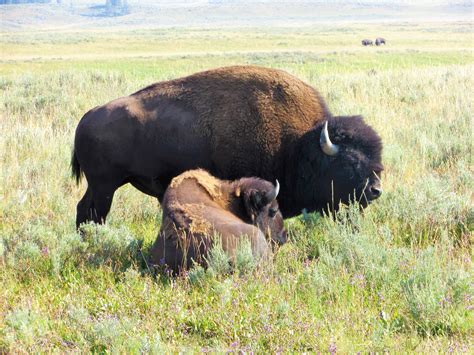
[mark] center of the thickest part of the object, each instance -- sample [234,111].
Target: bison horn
[277,188]
[274,193]
[325,142]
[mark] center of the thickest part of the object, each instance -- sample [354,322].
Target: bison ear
[253,202]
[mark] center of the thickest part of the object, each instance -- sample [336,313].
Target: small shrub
[218,260]
[25,326]
[198,275]
[106,245]
[424,212]
[244,261]
[434,294]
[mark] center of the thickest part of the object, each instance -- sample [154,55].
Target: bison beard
[234,122]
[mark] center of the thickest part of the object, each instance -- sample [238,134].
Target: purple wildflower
[234,344]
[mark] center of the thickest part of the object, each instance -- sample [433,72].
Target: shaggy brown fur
[233,121]
[284,105]
[197,207]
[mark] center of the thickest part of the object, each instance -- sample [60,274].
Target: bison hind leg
[84,209]
[96,202]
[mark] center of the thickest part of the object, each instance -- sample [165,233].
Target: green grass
[397,278]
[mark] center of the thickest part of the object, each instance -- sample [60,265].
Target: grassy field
[398,278]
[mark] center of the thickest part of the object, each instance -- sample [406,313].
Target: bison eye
[272,212]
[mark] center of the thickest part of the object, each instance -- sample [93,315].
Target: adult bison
[379,41]
[367,42]
[197,207]
[234,122]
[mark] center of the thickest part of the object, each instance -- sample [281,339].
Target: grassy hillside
[397,278]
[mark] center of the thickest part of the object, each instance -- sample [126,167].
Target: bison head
[340,163]
[260,204]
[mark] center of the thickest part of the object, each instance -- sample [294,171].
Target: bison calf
[197,207]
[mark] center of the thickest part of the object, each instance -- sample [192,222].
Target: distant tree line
[110,7]
[116,3]
[110,4]
[116,7]
[5,2]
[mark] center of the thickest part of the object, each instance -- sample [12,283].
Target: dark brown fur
[234,121]
[197,207]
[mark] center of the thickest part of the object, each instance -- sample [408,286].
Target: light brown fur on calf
[204,179]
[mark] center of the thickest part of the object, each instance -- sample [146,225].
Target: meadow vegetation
[398,277]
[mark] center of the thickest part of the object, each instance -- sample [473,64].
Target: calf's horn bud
[274,193]
[325,142]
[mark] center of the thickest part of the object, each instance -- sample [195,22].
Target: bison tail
[76,168]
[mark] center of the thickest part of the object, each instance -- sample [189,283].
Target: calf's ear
[253,201]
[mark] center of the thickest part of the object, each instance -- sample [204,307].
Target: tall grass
[398,277]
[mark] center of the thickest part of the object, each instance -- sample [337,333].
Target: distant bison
[234,122]
[367,42]
[197,207]
[379,41]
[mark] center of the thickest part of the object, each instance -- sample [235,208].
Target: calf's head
[261,207]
